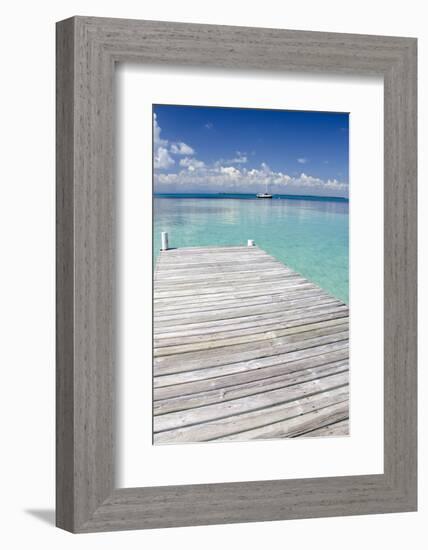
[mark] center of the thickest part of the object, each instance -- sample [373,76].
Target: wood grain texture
[65,277]
[87,49]
[197,337]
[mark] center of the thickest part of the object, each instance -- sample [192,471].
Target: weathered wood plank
[293,427]
[215,429]
[183,388]
[256,332]
[288,299]
[245,389]
[238,294]
[245,348]
[340,428]
[246,404]
[252,336]
[254,318]
[257,363]
[222,301]
[230,271]
[221,277]
[231,354]
[240,311]
[240,314]
[236,326]
[235,268]
[227,287]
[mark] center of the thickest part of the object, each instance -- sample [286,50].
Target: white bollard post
[250,242]
[164,240]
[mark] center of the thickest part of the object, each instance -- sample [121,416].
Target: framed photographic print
[245,347]
[236,274]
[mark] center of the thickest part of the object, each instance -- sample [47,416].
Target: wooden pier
[245,348]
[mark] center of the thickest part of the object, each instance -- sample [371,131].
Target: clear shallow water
[309,235]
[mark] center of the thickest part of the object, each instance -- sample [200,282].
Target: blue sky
[230,150]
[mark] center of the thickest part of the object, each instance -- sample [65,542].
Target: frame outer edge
[94,272]
[401,255]
[86,498]
[65,41]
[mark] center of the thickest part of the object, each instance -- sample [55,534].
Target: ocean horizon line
[249,196]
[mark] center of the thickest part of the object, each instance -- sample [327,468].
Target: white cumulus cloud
[181,148]
[162,150]
[157,133]
[192,163]
[241,158]
[234,179]
[162,158]
[229,175]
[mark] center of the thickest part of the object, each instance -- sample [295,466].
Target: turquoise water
[310,235]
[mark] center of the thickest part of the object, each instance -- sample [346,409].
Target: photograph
[196,196]
[251,279]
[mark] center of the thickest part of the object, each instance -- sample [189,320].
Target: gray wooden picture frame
[87,50]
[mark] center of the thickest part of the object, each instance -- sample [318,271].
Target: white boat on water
[264,195]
